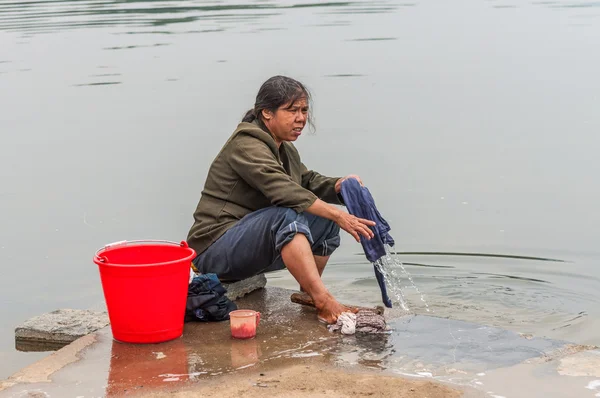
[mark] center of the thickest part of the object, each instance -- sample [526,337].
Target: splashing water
[392,280]
[391,267]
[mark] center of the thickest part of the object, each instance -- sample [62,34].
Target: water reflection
[418,345]
[244,353]
[472,254]
[49,16]
[345,75]
[502,290]
[97,84]
[374,39]
[493,275]
[554,4]
[430,346]
[105,74]
[145,367]
[135,46]
[427,265]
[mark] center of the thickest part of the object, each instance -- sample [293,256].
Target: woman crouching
[263,210]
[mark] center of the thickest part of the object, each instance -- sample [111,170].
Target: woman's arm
[254,162]
[353,225]
[320,185]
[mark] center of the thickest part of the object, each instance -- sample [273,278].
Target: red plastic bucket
[145,286]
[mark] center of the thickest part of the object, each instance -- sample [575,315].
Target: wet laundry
[363,321]
[360,203]
[206,300]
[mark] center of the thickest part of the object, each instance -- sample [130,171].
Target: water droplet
[389,265]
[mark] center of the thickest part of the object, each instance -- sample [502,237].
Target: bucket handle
[127,242]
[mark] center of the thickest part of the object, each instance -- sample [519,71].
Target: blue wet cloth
[206,300]
[360,203]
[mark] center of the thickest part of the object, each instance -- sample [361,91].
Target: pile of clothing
[364,321]
[206,300]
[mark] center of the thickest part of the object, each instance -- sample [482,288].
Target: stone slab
[58,328]
[239,289]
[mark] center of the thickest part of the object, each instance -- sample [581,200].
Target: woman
[262,210]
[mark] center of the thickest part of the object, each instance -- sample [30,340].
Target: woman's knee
[286,223]
[326,234]
[323,228]
[289,215]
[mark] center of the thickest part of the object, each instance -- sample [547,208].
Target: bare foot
[331,310]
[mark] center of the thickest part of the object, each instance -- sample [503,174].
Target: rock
[239,289]
[56,329]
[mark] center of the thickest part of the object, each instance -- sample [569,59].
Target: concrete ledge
[206,359]
[42,370]
[56,329]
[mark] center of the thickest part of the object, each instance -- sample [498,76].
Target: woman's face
[287,122]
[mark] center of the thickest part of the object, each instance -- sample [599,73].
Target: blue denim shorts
[253,245]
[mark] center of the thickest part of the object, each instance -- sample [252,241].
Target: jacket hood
[255,130]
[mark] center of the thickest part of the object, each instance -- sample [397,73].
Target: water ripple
[135,46]
[54,15]
[469,254]
[374,39]
[576,5]
[345,75]
[97,84]
[511,277]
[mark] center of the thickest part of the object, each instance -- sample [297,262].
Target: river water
[473,123]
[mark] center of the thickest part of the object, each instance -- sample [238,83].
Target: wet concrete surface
[440,349]
[287,331]
[436,344]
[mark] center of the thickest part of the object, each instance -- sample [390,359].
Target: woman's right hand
[355,226]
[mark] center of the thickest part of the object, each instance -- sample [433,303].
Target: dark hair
[275,92]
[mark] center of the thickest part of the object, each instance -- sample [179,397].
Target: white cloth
[347,322]
[363,322]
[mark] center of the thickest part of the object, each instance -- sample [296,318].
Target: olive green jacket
[251,173]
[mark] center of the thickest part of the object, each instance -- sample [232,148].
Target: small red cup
[243,323]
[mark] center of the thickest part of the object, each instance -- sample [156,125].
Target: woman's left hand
[338,184]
